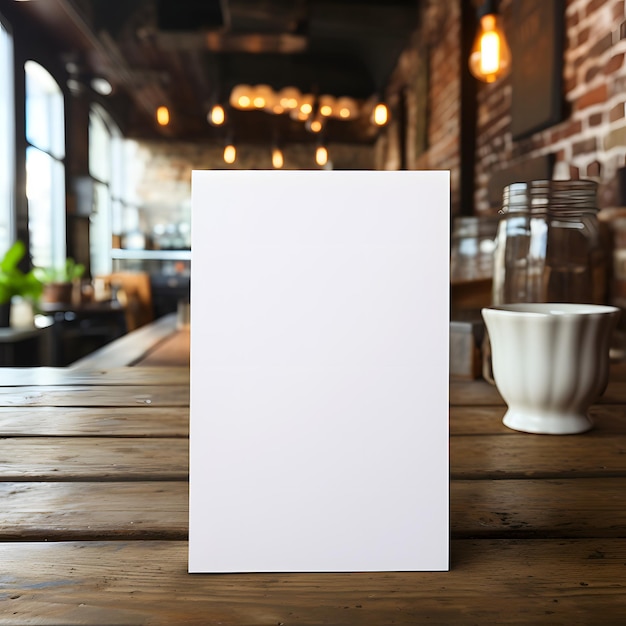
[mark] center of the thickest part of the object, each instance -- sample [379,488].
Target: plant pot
[57,293]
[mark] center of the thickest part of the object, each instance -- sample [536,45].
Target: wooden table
[94,470]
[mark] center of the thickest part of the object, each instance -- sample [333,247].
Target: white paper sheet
[319,371]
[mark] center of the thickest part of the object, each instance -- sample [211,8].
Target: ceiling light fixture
[490,57]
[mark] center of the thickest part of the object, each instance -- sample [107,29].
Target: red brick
[591,73]
[614,64]
[601,46]
[595,119]
[594,5]
[617,112]
[573,128]
[583,36]
[572,20]
[597,95]
[574,173]
[594,169]
[585,146]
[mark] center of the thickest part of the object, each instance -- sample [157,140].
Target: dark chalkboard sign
[537,31]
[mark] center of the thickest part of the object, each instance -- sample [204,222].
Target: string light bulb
[321,156]
[230,154]
[217,115]
[278,159]
[380,114]
[163,116]
[490,57]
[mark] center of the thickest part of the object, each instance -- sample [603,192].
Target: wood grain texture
[481,393]
[521,455]
[172,351]
[487,420]
[135,421]
[96,395]
[130,348]
[584,507]
[93,458]
[46,376]
[145,582]
[534,509]
[93,510]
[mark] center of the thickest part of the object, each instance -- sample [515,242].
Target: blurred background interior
[106,108]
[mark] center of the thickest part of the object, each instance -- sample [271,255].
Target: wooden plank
[89,510]
[474,393]
[498,581]
[63,511]
[487,420]
[48,376]
[481,393]
[93,458]
[521,455]
[140,421]
[131,347]
[96,395]
[584,507]
[173,351]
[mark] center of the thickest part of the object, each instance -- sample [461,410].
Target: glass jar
[575,260]
[520,244]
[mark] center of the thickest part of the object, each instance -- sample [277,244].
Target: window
[45,169]
[106,171]
[7,147]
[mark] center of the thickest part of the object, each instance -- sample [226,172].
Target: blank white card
[319,371]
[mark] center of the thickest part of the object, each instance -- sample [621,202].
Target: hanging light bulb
[380,114]
[346,108]
[277,158]
[288,98]
[326,104]
[163,116]
[217,115]
[490,57]
[315,124]
[240,97]
[230,154]
[321,156]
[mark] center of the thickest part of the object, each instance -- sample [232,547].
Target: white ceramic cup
[550,362]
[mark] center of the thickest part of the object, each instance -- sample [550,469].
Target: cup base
[544,423]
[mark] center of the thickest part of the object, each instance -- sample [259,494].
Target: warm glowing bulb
[490,57]
[163,116]
[217,116]
[277,158]
[344,113]
[321,156]
[306,108]
[244,101]
[326,110]
[380,115]
[316,126]
[259,102]
[230,154]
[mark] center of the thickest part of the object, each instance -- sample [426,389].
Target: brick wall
[590,141]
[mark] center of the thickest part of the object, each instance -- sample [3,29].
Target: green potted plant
[58,282]
[15,282]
